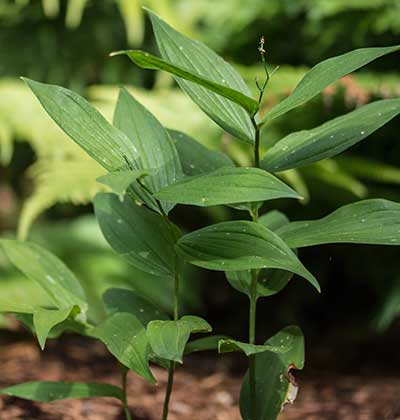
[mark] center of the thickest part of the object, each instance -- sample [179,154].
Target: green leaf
[86,126]
[228,346]
[15,307]
[372,221]
[139,235]
[156,150]
[227,186]
[199,60]
[125,337]
[274,383]
[273,220]
[123,300]
[269,280]
[149,61]
[329,139]
[168,338]
[240,245]
[204,343]
[49,272]
[119,182]
[326,73]
[45,319]
[46,391]
[195,158]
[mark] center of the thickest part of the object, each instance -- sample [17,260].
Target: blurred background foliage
[47,182]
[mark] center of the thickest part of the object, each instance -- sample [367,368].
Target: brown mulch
[205,389]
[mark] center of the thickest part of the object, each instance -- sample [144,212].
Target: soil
[207,388]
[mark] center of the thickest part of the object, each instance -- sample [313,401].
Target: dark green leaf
[329,139]
[325,73]
[119,182]
[125,337]
[274,383]
[86,126]
[204,343]
[227,346]
[195,158]
[226,186]
[48,271]
[168,338]
[156,150]
[240,245]
[45,391]
[149,61]
[141,236]
[199,60]
[123,300]
[269,280]
[372,221]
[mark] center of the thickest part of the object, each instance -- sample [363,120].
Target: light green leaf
[149,61]
[86,126]
[49,272]
[15,307]
[168,338]
[372,221]
[329,139]
[204,343]
[195,158]
[240,245]
[46,391]
[139,235]
[273,220]
[125,337]
[199,60]
[123,300]
[156,150]
[228,346]
[326,73]
[275,384]
[119,182]
[226,186]
[45,319]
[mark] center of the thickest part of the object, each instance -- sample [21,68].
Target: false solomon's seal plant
[150,170]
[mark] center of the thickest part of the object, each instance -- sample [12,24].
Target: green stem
[171,369]
[124,373]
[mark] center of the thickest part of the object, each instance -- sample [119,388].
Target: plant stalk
[171,369]
[124,373]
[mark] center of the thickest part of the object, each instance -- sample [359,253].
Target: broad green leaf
[199,60]
[372,221]
[139,235]
[195,158]
[15,308]
[269,280]
[329,139]
[226,186]
[168,338]
[155,148]
[228,346]
[46,391]
[325,73]
[204,343]
[123,300]
[125,337]
[119,182]
[240,245]
[149,61]
[275,385]
[273,220]
[49,272]
[45,319]
[86,126]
